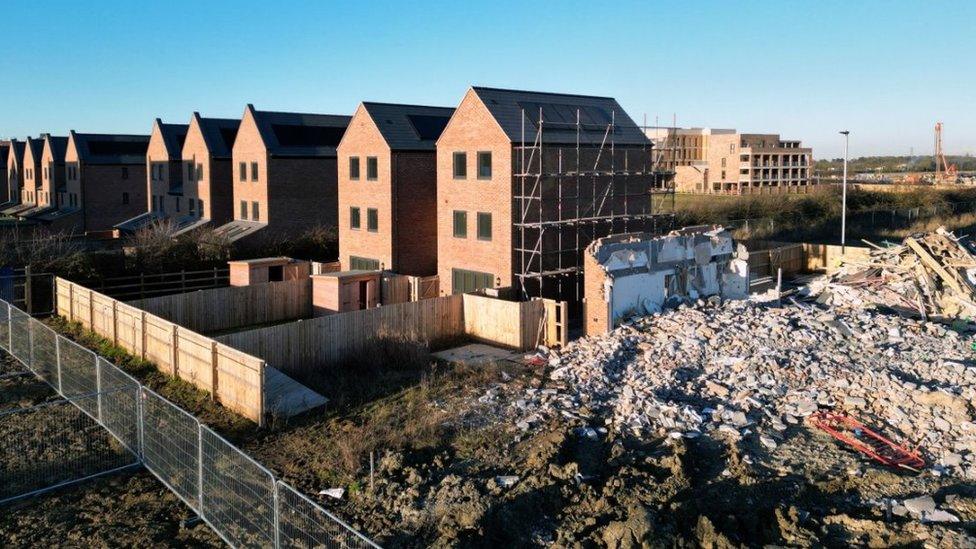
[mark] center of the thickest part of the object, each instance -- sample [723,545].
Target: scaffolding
[575,184]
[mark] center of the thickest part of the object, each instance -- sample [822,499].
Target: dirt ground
[451,469]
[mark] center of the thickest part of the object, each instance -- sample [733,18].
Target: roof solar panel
[296,135]
[428,127]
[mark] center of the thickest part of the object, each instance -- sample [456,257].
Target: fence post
[91,311]
[57,361]
[142,350]
[261,393]
[28,290]
[71,302]
[183,281]
[98,387]
[174,343]
[277,504]
[10,329]
[200,468]
[115,323]
[141,415]
[213,370]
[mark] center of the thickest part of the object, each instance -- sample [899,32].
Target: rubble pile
[751,372]
[931,276]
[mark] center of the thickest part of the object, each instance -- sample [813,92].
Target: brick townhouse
[52,178]
[285,173]
[4,188]
[15,177]
[31,169]
[514,208]
[209,174]
[388,188]
[164,177]
[105,178]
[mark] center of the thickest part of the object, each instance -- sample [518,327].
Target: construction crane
[944,171]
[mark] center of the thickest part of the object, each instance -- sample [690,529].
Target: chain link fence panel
[4,326]
[53,444]
[238,493]
[304,524]
[20,336]
[171,446]
[44,352]
[119,404]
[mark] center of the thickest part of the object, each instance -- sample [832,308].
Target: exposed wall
[637,274]
[102,194]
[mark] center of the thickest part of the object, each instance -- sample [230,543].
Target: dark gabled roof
[559,117]
[173,137]
[4,151]
[58,146]
[300,134]
[17,148]
[409,127]
[219,134]
[36,146]
[103,148]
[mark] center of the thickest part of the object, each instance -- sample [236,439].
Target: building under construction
[551,173]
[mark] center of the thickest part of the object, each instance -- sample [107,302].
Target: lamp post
[843,211]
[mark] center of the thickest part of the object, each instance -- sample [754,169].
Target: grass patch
[182,393]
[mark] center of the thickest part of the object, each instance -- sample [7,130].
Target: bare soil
[441,443]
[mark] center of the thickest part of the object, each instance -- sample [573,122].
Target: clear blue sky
[885,70]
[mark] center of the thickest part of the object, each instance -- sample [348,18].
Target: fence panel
[119,410]
[303,524]
[44,352]
[54,444]
[20,346]
[238,493]
[4,325]
[171,446]
[79,371]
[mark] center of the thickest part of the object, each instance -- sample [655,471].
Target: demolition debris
[750,372]
[932,276]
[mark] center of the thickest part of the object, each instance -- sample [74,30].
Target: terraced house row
[467,194]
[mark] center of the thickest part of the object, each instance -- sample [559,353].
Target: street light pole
[843,212]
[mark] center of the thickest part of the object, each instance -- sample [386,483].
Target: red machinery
[856,435]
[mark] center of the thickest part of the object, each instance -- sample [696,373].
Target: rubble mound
[749,373]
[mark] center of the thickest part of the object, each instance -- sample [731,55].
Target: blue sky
[885,70]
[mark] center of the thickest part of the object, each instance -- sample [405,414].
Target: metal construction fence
[106,421]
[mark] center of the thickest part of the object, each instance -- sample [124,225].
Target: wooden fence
[234,378]
[767,257]
[234,306]
[141,286]
[304,346]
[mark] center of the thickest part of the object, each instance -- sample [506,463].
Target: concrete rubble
[750,372]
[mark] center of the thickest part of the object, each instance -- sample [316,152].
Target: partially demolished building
[638,273]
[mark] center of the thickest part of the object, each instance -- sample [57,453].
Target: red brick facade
[472,129]
[212,183]
[109,193]
[403,194]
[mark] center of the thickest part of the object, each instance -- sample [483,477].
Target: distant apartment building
[105,178]
[525,180]
[388,188]
[15,176]
[30,173]
[285,172]
[716,161]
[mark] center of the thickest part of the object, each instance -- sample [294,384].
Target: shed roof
[104,148]
[559,112]
[409,127]
[219,134]
[300,134]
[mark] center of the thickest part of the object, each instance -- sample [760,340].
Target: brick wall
[415,213]
[596,316]
[249,148]
[101,196]
[470,130]
[172,174]
[361,140]
[303,192]
[216,186]
[4,188]
[32,180]
[56,174]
